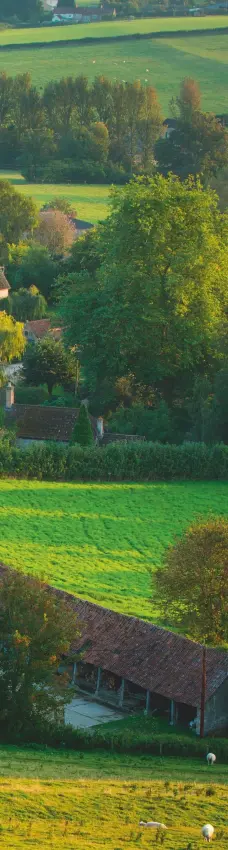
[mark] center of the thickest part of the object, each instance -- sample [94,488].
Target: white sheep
[208,831]
[153,823]
[211,758]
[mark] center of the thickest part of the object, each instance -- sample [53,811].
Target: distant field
[110,28]
[162,62]
[90,202]
[100,541]
[102,813]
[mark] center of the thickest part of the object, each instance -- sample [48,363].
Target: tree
[17,213]
[27,304]
[55,232]
[189,100]
[155,307]
[37,148]
[49,363]
[61,203]
[37,627]
[12,341]
[149,127]
[192,587]
[82,432]
[32,265]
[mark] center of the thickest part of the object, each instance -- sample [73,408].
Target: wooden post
[147,703]
[74,674]
[121,693]
[203,693]
[98,681]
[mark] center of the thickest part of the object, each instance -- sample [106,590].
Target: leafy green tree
[49,363]
[36,628]
[192,587]
[149,127]
[61,203]
[37,147]
[32,265]
[27,304]
[26,10]
[155,308]
[12,341]
[17,213]
[82,432]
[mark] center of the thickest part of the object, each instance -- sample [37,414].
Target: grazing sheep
[153,823]
[211,758]
[208,832]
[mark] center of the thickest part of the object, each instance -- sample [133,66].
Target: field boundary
[78,42]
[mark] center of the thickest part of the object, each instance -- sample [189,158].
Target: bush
[30,395]
[116,462]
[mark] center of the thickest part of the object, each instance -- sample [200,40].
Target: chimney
[100,427]
[9,396]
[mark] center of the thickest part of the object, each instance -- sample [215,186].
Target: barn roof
[152,657]
[37,422]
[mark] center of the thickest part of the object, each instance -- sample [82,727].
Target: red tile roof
[39,327]
[149,656]
[35,422]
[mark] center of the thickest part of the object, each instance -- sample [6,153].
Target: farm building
[128,663]
[37,423]
[4,285]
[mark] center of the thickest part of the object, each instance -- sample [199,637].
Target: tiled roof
[149,656]
[39,327]
[35,422]
[3,281]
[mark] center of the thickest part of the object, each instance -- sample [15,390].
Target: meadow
[110,29]
[163,63]
[100,541]
[98,813]
[90,202]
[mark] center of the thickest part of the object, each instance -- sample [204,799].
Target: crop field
[162,63]
[104,29]
[90,202]
[100,541]
[102,813]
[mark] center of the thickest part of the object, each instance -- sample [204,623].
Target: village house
[37,329]
[4,285]
[129,663]
[82,14]
[36,423]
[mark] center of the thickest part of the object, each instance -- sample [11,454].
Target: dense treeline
[75,132]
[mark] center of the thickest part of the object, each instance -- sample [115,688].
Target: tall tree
[149,127]
[82,432]
[36,628]
[49,363]
[12,341]
[192,587]
[27,304]
[155,308]
[55,232]
[17,213]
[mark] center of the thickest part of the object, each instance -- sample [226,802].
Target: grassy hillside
[101,813]
[109,29]
[90,202]
[100,541]
[164,63]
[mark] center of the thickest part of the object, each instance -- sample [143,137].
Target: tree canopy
[192,587]
[82,432]
[37,627]
[17,213]
[49,363]
[12,340]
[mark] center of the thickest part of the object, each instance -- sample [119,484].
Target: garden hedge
[133,461]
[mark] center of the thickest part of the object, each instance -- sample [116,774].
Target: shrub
[30,395]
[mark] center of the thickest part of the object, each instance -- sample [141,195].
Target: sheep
[208,831]
[211,758]
[153,823]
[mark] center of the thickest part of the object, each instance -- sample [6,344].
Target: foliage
[193,585]
[49,363]
[82,432]
[36,628]
[152,423]
[27,304]
[26,10]
[12,341]
[153,313]
[17,214]
[61,203]
[30,395]
[33,266]
[55,232]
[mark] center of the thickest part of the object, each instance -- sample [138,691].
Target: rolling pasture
[162,63]
[100,541]
[108,29]
[90,202]
[65,814]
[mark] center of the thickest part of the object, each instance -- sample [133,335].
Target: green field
[90,202]
[100,541]
[105,813]
[109,29]
[164,63]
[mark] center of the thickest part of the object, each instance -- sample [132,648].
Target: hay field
[90,202]
[105,813]
[100,541]
[163,63]
[104,29]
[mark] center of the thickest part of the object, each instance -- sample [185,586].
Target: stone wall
[216,711]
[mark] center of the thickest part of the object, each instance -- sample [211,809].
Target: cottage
[4,285]
[37,329]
